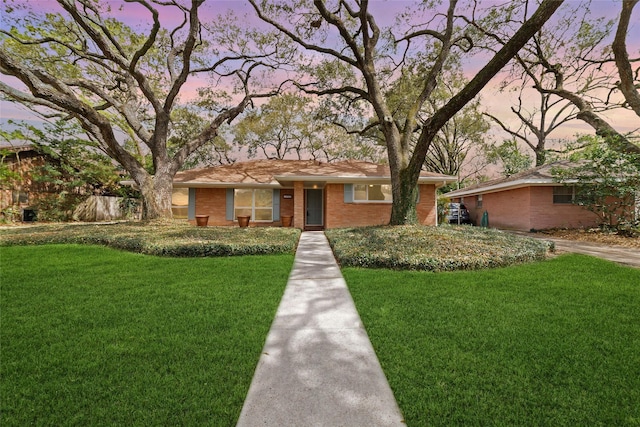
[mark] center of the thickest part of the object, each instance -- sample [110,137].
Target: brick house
[529,200]
[19,191]
[311,194]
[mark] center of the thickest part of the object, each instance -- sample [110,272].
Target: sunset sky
[385,11]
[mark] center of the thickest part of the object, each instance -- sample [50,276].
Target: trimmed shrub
[171,239]
[444,248]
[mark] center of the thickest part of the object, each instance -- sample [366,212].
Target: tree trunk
[405,196]
[405,183]
[156,194]
[541,154]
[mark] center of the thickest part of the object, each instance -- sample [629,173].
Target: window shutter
[191,209]
[276,205]
[348,193]
[229,204]
[418,195]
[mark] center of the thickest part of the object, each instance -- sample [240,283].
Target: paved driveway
[620,254]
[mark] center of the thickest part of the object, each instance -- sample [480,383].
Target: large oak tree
[349,56]
[124,85]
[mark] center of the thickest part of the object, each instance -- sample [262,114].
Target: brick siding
[528,208]
[337,213]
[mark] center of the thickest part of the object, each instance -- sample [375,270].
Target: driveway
[619,254]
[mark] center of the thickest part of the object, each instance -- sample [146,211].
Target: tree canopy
[124,85]
[158,97]
[351,58]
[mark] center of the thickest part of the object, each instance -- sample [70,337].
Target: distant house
[530,200]
[18,190]
[21,193]
[311,194]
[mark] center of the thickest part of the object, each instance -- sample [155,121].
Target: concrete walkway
[318,367]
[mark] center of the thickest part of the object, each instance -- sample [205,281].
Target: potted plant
[243,221]
[287,220]
[202,220]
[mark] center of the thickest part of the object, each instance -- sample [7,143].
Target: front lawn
[554,343]
[94,336]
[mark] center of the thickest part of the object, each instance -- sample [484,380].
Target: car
[457,213]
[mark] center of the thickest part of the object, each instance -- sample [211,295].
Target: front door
[314,208]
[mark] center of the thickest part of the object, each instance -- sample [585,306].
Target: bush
[173,239]
[444,248]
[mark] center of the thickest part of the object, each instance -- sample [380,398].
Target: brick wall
[341,214]
[427,213]
[529,208]
[212,202]
[298,205]
[545,214]
[507,209]
[286,205]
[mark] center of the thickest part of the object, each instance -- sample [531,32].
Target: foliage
[464,132]
[189,121]
[564,63]
[7,175]
[554,343]
[282,127]
[572,44]
[443,248]
[291,125]
[443,204]
[77,61]
[93,336]
[73,169]
[172,239]
[606,180]
[509,156]
[346,56]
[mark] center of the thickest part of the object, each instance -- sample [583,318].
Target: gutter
[513,185]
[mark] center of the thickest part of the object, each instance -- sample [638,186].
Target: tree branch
[619,47]
[299,40]
[546,9]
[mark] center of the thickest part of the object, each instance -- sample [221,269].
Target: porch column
[298,205]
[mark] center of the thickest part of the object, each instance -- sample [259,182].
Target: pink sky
[385,11]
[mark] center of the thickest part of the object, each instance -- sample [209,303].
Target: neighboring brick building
[530,200]
[23,189]
[316,195]
[19,190]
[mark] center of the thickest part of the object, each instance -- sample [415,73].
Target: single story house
[529,200]
[311,194]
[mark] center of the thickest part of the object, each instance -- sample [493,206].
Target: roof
[17,148]
[539,176]
[277,173]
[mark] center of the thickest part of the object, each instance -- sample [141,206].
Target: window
[258,204]
[20,197]
[479,201]
[563,195]
[372,193]
[180,202]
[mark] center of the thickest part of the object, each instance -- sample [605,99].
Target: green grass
[443,248]
[555,343]
[94,336]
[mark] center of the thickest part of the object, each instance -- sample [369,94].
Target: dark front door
[314,208]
